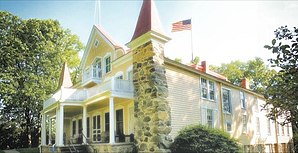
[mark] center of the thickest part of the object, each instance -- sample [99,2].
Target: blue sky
[222,30]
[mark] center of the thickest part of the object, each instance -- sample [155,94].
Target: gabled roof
[148,20]
[105,36]
[65,79]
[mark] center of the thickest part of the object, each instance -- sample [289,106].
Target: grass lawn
[1,151]
[28,150]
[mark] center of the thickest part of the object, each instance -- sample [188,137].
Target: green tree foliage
[255,70]
[199,139]
[283,89]
[178,60]
[32,53]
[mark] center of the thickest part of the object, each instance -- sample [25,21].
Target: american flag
[181,25]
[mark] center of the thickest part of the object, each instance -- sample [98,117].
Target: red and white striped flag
[181,25]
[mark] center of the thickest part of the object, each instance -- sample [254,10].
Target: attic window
[96,43]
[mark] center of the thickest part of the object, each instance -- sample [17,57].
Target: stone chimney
[245,83]
[151,109]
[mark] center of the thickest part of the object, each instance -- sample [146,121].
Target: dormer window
[96,43]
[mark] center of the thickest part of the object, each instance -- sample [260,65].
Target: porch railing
[115,86]
[91,73]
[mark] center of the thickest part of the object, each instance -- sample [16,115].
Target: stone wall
[152,111]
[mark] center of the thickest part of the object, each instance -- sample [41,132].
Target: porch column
[43,129]
[59,126]
[50,131]
[112,121]
[84,124]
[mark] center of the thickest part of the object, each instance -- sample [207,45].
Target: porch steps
[79,149]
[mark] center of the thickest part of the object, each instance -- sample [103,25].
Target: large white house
[138,99]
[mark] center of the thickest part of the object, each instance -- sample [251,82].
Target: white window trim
[120,73]
[208,90]
[111,59]
[230,100]
[245,131]
[230,122]
[130,68]
[245,105]
[96,43]
[91,125]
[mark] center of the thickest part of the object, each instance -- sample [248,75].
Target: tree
[32,53]
[283,89]
[198,138]
[255,70]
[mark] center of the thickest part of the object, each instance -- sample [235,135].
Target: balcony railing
[92,74]
[118,87]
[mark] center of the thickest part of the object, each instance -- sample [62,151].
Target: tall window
[229,126]
[119,122]
[97,73]
[244,123]
[130,75]
[210,118]
[107,121]
[258,125]
[242,100]
[226,100]
[88,127]
[80,128]
[208,89]
[288,129]
[268,127]
[108,64]
[96,128]
[74,127]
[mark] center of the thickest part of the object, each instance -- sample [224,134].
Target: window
[277,128]
[120,77]
[208,89]
[88,127]
[96,128]
[204,88]
[130,75]
[107,121]
[242,100]
[108,64]
[96,68]
[288,129]
[282,130]
[210,118]
[229,126]
[226,100]
[80,128]
[258,125]
[268,127]
[244,123]
[74,127]
[119,122]
[96,43]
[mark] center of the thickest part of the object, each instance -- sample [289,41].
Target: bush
[198,138]
[28,150]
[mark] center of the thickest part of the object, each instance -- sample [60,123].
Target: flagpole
[191,42]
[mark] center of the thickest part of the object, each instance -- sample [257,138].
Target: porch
[69,123]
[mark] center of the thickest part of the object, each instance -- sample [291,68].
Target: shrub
[198,138]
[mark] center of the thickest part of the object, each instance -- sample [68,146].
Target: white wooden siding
[184,99]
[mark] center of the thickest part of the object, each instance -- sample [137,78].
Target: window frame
[229,101]
[244,123]
[108,66]
[212,118]
[242,100]
[208,89]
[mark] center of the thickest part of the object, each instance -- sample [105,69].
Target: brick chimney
[205,66]
[245,83]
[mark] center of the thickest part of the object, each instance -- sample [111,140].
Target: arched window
[96,67]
